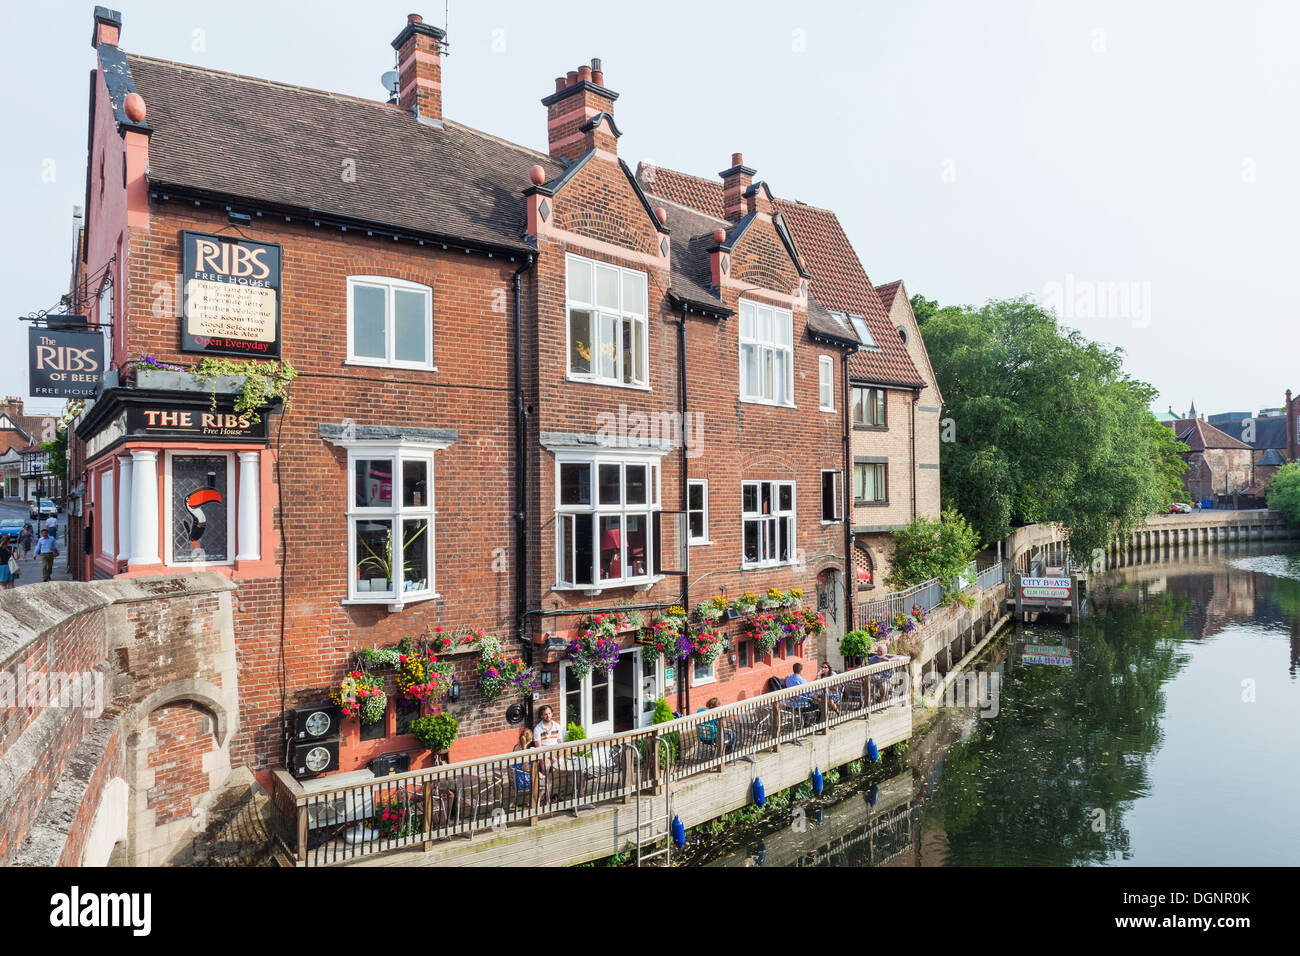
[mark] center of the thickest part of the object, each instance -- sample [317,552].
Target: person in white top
[548,733]
[52,523]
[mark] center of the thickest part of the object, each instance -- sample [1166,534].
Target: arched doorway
[831,604]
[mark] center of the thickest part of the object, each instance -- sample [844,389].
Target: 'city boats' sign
[1054,588]
[231,296]
[64,364]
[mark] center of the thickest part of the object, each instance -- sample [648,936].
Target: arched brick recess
[183,734]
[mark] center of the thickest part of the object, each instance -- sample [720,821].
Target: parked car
[11,527]
[1180,508]
[43,508]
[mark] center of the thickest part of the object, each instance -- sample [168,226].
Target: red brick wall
[182,735]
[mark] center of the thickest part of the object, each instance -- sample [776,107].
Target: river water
[1161,730]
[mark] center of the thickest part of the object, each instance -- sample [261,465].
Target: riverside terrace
[587,799]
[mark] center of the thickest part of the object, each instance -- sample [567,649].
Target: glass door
[589,702]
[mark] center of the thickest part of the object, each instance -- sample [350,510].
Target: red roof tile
[839,281]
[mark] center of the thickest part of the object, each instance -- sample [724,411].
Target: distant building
[1218,465]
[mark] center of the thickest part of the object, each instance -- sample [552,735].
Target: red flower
[437,630]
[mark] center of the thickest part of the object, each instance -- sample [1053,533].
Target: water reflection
[1168,739]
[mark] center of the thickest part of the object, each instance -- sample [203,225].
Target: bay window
[390,524]
[766,354]
[607,511]
[768,522]
[606,322]
[390,322]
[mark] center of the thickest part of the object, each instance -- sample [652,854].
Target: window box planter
[166,380]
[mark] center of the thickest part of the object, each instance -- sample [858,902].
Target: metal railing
[930,594]
[413,809]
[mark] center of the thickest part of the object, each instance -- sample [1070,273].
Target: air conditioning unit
[315,723]
[313,757]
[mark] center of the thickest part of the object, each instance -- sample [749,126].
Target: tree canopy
[1046,425]
[1283,494]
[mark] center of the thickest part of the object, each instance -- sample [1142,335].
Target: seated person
[794,680]
[709,729]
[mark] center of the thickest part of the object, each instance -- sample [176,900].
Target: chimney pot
[559,83]
[595,64]
[598,77]
[584,74]
[737,159]
[414,18]
[571,77]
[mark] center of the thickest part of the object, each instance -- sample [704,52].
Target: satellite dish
[389,80]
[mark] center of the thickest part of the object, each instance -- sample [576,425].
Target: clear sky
[1134,164]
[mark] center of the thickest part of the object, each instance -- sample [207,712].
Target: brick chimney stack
[1292,440]
[108,28]
[419,69]
[735,183]
[574,125]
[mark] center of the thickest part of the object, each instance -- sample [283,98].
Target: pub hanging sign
[231,290]
[63,364]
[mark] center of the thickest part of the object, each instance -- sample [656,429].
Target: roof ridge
[350,97]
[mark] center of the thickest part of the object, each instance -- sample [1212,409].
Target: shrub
[574,732]
[436,732]
[856,644]
[1283,494]
[932,548]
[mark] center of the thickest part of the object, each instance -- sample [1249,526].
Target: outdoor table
[460,784]
[571,770]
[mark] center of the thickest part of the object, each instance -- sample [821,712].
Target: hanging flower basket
[813,621]
[592,650]
[499,674]
[668,639]
[706,646]
[361,694]
[609,624]
[711,610]
[421,677]
[764,631]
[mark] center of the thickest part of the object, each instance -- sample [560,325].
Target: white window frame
[690,538]
[825,383]
[390,286]
[766,349]
[839,496]
[774,518]
[399,451]
[697,680]
[108,515]
[597,509]
[626,312]
[168,517]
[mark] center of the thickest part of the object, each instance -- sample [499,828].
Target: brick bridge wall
[130,742]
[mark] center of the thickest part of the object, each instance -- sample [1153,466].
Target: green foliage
[1283,494]
[1047,426]
[574,732]
[855,767]
[855,644]
[803,792]
[831,777]
[58,452]
[436,732]
[662,712]
[263,383]
[932,548]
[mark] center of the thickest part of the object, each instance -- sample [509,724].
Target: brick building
[617,402]
[1218,466]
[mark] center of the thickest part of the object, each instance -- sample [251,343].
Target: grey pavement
[31,568]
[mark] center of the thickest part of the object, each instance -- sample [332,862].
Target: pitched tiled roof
[1198,435]
[887,293]
[839,281]
[232,135]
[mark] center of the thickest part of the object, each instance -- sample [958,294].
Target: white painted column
[144,509]
[250,510]
[124,469]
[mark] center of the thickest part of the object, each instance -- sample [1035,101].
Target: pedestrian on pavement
[6,573]
[47,551]
[25,540]
[52,525]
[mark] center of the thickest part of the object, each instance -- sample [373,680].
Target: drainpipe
[850,578]
[683,685]
[916,397]
[521,475]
